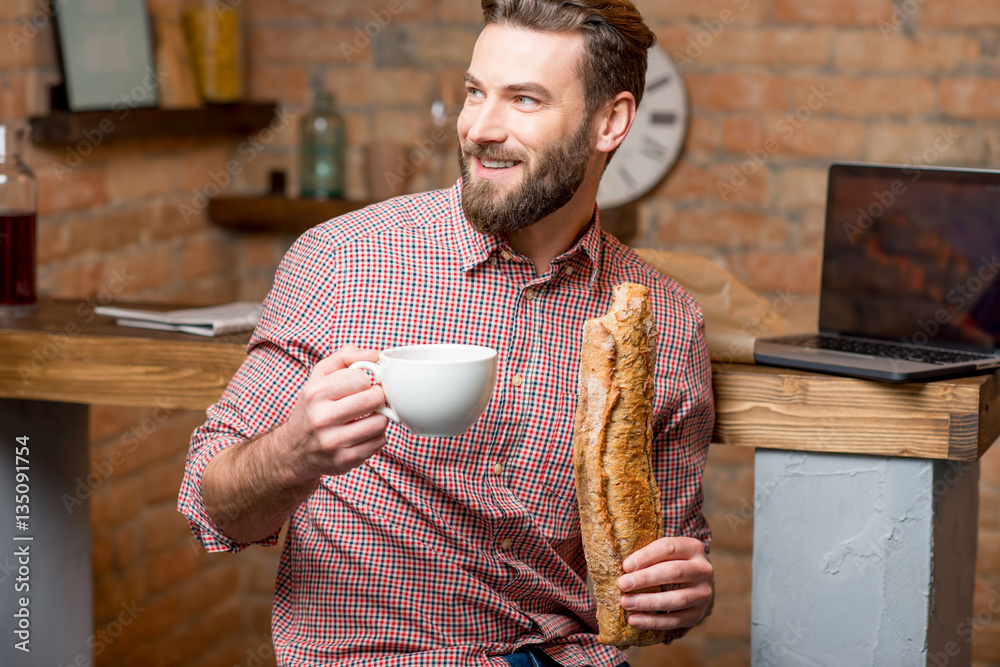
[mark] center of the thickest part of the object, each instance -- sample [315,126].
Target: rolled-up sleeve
[287,342]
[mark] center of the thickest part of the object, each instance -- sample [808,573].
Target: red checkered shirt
[451,551]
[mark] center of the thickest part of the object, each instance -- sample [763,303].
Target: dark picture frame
[105,51]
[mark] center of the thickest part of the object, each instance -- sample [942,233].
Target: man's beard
[545,187]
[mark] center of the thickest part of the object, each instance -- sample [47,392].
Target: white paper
[230,318]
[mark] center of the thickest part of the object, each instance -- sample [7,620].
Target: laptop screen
[913,254]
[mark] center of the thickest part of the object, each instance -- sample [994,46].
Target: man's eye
[474,92]
[524,99]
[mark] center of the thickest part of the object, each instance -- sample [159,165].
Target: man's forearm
[245,488]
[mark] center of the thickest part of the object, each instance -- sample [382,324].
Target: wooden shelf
[61,128]
[276,214]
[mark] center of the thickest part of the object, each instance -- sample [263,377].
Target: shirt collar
[475,248]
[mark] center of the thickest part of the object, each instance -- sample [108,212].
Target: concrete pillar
[56,582]
[862,560]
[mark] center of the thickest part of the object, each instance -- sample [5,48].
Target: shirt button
[505,255]
[568,270]
[529,294]
[493,261]
[497,469]
[517,380]
[506,544]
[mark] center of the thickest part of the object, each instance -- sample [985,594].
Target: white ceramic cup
[438,390]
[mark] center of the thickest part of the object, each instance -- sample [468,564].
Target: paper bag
[735,315]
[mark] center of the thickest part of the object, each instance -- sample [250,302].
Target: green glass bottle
[321,150]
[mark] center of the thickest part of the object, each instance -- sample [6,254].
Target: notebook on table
[910,276]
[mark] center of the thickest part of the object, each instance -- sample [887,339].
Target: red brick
[970,97]
[817,137]
[208,255]
[267,83]
[865,96]
[164,527]
[926,144]
[730,531]
[75,282]
[733,574]
[738,92]
[80,188]
[768,47]
[193,169]
[722,228]
[136,175]
[25,46]
[796,273]
[304,44]
[702,134]
[114,500]
[742,132]
[746,182]
[460,11]
[143,269]
[114,590]
[685,181]
[871,51]
[162,481]
[162,612]
[167,568]
[842,12]
[218,582]
[363,86]
[976,14]
[730,618]
[14,9]
[729,488]
[445,45]
[801,187]
[707,10]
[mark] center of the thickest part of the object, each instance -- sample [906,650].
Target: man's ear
[614,120]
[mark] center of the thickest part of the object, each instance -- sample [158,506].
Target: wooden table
[54,364]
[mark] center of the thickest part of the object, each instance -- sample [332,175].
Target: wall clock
[655,139]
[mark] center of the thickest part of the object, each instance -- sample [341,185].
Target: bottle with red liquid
[18,207]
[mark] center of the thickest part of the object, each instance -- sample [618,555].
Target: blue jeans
[533,657]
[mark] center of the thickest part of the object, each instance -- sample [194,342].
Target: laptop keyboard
[884,349]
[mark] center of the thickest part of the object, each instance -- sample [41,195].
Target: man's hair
[617,39]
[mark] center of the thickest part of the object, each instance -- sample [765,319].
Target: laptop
[911,276]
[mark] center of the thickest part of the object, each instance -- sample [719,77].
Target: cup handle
[376,372]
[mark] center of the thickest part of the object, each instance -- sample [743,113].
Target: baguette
[617,494]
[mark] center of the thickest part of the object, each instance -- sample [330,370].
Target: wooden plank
[276,214]
[66,353]
[761,406]
[60,128]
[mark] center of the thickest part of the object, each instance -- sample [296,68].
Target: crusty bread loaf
[612,459]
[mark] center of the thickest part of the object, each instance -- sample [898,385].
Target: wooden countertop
[66,353]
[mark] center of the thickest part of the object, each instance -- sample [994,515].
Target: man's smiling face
[524,137]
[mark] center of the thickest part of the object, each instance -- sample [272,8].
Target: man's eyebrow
[535,89]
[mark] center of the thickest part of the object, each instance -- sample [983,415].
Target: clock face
[655,139]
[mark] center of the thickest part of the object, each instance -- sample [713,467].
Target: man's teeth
[493,164]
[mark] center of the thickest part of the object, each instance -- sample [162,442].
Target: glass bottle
[18,208]
[321,150]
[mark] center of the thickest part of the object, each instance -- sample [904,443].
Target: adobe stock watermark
[965,631]
[710,31]
[772,653]
[902,13]
[120,110]
[363,36]
[101,471]
[247,151]
[885,199]
[959,296]
[42,356]
[29,26]
[785,127]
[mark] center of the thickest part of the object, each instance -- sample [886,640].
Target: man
[407,550]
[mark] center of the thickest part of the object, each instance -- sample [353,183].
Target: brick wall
[778,89]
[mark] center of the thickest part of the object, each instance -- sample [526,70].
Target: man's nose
[488,124]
